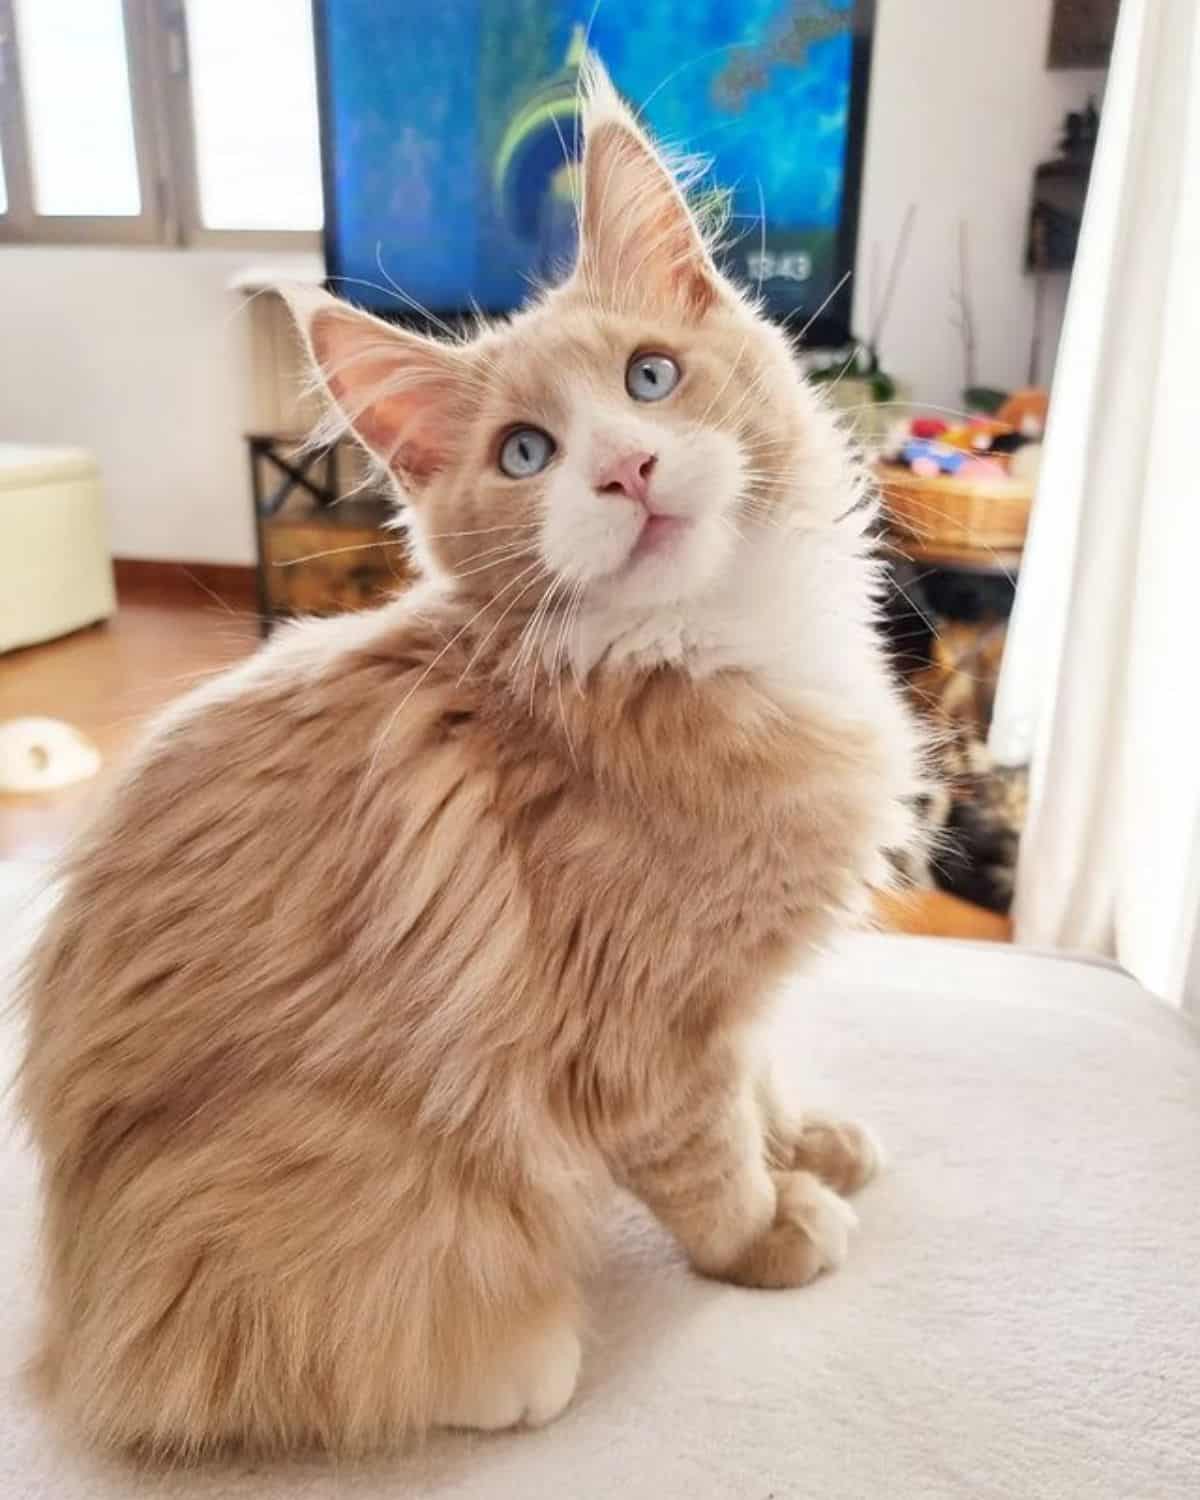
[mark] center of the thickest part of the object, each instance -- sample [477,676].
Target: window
[257,160]
[158,122]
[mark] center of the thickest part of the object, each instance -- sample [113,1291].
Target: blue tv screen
[447,126]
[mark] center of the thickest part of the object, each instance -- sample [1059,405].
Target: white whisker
[496,624]
[412,302]
[496,562]
[435,536]
[457,636]
[845,278]
[291,562]
[558,687]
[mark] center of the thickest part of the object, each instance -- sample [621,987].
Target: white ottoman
[55,571]
[1019,1318]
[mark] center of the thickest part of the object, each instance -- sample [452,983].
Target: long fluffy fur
[402,942]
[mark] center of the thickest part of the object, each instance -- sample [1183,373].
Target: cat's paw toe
[551,1379]
[842,1153]
[811,1234]
[530,1387]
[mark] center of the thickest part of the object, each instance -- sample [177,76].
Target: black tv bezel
[830,328]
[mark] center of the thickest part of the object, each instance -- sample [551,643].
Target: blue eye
[650,377]
[526,452]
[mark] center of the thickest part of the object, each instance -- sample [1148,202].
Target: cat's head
[617,438]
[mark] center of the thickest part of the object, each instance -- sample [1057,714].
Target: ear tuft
[640,244]
[404,396]
[600,102]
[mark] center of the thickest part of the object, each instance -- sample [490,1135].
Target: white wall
[141,354]
[962,108]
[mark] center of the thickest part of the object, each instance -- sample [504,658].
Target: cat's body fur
[400,944]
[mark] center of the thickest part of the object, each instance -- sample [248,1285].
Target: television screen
[448,131]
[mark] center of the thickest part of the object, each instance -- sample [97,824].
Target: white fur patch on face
[632,552]
[792,606]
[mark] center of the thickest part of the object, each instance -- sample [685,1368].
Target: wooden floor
[105,681]
[928,913]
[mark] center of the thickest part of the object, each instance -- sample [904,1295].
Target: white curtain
[1100,690]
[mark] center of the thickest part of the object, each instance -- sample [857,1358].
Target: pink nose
[628,476]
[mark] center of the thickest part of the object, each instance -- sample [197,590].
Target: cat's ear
[639,243]
[406,397]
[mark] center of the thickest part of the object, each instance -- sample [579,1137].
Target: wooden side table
[324,546]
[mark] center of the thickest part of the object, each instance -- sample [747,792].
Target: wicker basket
[957,513]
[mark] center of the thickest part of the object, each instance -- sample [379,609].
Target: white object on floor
[1019,1315]
[55,570]
[40,755]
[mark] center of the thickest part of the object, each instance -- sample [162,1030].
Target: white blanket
[1019,1317]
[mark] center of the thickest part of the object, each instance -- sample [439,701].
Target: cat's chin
[673,559]
[658,578]
[660,534]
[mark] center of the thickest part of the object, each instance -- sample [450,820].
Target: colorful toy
[1025,411]
[976,436]
[927,458]
[980,448]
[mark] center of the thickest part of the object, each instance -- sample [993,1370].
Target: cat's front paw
[810,1234]
[842,1153]
[529,1384]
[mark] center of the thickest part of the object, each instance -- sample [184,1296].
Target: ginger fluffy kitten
[405,940]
